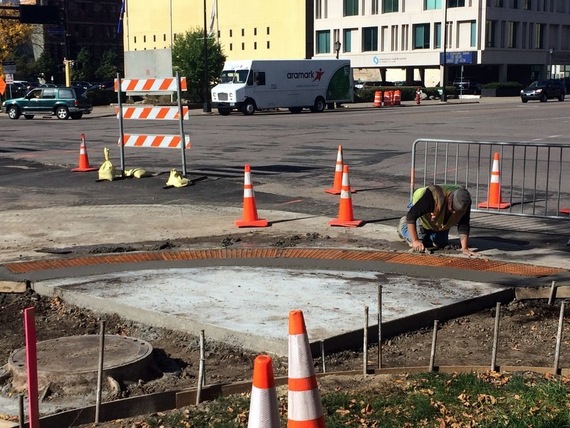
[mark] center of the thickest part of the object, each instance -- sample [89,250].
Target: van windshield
[234,76]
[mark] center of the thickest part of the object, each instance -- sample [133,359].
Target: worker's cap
[461,199]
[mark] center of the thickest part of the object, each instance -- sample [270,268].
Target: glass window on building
[369,39]
[437,35]
[421,36]
[321,7]
[432,4]
[347,40]
[526,4]
[473,42]
[375,7]
[350,7]
[323,42]
[538,36]
[512,28]
[490,33]
[389,6]
[455,3]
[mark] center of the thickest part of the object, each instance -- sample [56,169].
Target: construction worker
[435,209]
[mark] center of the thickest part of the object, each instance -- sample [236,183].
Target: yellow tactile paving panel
[474,264]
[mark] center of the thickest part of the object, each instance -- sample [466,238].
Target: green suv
[64,103]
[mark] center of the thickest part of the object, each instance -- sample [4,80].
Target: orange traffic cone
[249,218]
[345,214]
[494,194]
[304,408]
[83,159]
[337,183]
[263,406]
[378,99]
[397,97]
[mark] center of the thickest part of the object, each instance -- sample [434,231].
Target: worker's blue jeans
[427,236]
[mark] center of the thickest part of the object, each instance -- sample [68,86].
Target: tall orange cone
[494,194]
[345,214]
[337,183]
[304,408]
[249,218]
[263,407]
[83,159]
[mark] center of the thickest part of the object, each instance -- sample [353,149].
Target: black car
[467,86]
[543,90]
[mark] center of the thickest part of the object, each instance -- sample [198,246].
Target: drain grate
[474,264]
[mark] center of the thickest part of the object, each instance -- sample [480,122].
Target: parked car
[543,90]
[110,85]
[467,86]
[61,102]
[81,84]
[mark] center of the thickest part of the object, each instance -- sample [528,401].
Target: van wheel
[13,112]
[248,107]
[561,97]
[224,111]
[29,116]
[544,98]
[76,116]
[62,113]
[319,106]
[295,109]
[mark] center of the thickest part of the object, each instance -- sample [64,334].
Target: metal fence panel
[534,177]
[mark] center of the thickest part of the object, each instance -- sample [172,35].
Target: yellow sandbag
[137,173]
[107,170]
[176,179]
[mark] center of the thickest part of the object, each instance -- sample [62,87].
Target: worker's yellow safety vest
[435,220]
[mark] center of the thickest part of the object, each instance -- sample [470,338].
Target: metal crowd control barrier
[169,84]
[534,177]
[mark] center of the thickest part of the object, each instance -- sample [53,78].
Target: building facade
[253,29]
[488,40]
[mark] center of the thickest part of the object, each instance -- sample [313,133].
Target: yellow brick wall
[252,29]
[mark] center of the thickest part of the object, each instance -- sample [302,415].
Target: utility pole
[207,108]
[443,93]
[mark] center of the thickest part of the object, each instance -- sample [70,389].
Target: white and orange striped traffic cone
[263,407]
[494,195]
[337,182]
[345,213]
[83,158]
[304,408]
[249,218]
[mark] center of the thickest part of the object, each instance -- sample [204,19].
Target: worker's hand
[418,246]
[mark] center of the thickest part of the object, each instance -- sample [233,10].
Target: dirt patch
[527,338]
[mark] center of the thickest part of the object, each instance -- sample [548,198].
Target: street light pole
[550,74]
[207,108]
[337,48]
[443,93]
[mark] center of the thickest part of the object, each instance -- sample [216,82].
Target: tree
[188,59]
[45,66]
[12,35]
[109,66]
[85,66]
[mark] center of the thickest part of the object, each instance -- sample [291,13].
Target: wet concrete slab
[248,306]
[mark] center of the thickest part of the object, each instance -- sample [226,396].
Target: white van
[251,85]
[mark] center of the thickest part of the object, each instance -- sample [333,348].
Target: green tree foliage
[12,35]
[109,66]
[84,66]
[45,67]
[188,58]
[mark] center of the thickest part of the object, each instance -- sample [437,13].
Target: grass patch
[420,400]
